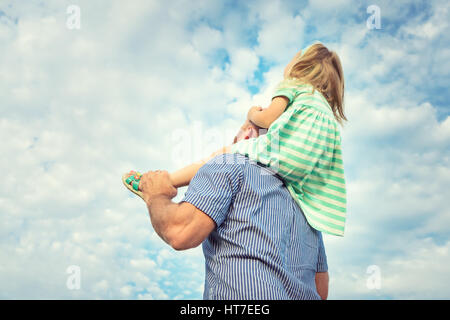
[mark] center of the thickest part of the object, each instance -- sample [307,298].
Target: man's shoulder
[246,168]
[227,168]
[229,159]
[235,161]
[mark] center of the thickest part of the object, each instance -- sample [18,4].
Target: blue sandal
[131,181]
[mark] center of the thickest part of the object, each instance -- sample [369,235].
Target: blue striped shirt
[262,247]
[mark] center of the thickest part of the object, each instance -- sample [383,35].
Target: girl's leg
[183,177]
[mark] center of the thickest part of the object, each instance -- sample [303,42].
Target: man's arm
[264,117]
[182,226]
[322,280]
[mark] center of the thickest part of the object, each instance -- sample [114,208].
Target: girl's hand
[248,124]
[252,111]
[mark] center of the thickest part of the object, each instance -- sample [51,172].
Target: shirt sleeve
[215,185]
[286,88]
[322,265]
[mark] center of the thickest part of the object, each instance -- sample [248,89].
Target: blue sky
[154,85]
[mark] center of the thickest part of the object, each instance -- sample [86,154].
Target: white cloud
[415,275]
[244,63]
[78,108]
[206,39]
[280,34]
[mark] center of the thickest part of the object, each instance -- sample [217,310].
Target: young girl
[303,142]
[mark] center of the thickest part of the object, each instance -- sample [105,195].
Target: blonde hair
[323,70]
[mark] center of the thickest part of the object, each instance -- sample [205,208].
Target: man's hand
[322,280]
[155,184]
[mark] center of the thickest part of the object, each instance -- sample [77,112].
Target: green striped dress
[304,147]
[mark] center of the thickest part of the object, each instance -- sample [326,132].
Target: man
[256,240]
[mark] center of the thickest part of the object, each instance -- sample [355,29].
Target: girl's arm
[183,177]
[264,117]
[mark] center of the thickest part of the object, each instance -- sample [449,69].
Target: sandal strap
[135,185]
[134,176]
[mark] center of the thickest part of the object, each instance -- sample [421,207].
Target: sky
[149,85]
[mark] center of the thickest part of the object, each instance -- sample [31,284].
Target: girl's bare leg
[183,177]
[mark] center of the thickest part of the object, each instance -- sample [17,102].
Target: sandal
[131,181]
